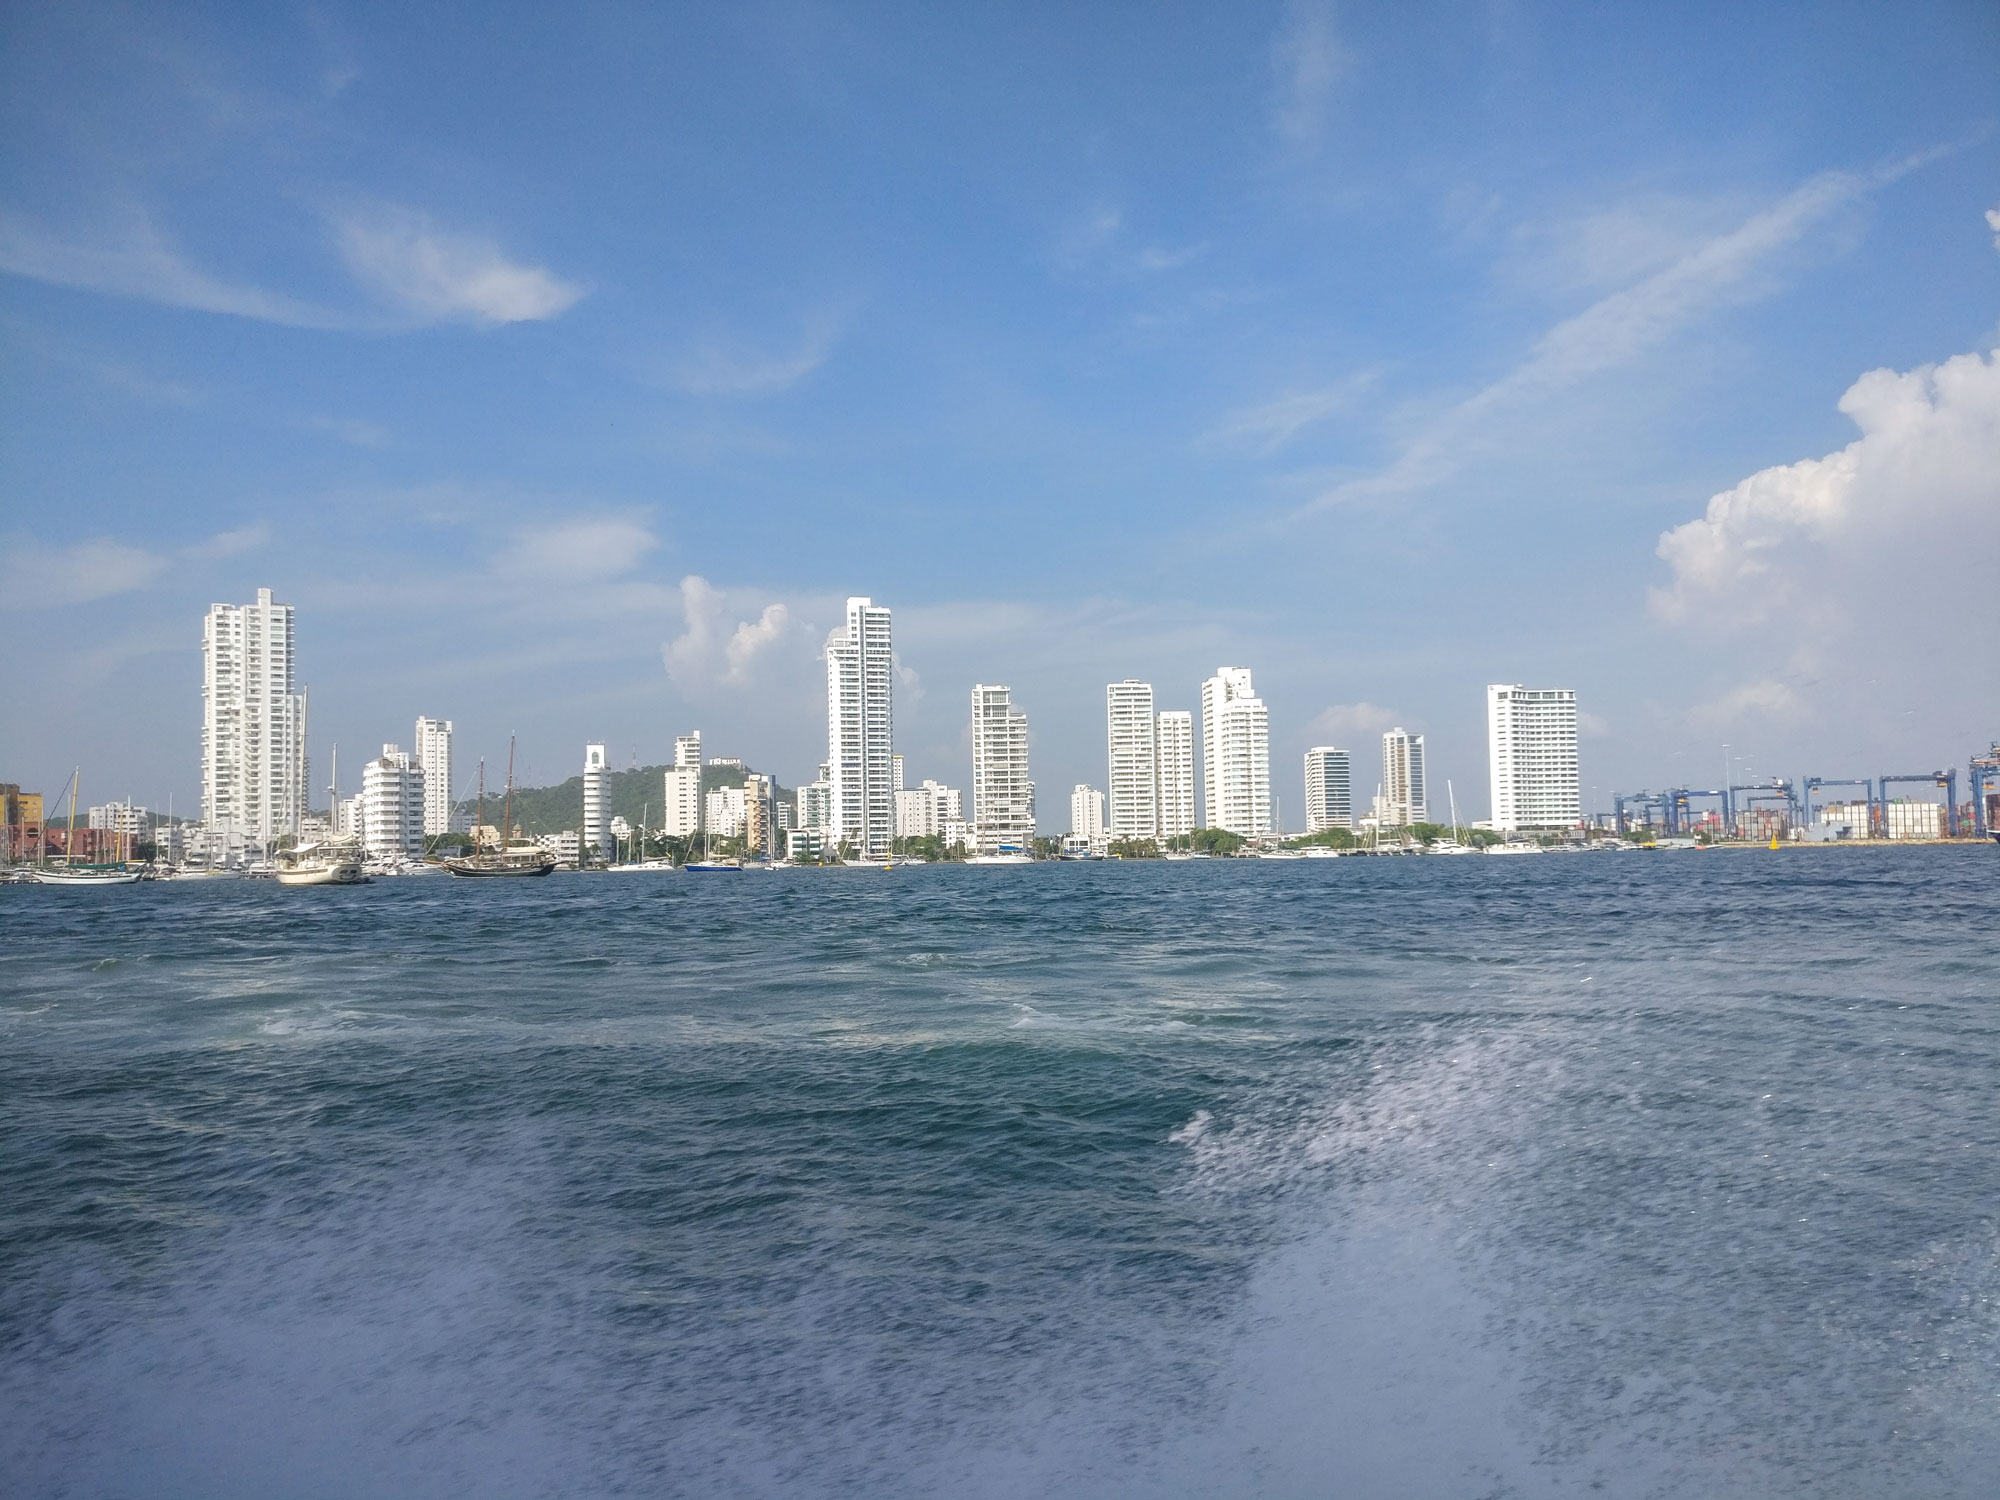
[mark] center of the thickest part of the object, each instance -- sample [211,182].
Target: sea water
[1613,1175]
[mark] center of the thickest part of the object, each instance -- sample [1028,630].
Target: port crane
[1947,779]
[1814,783]
[1980,772]
[1680,815]
[1649,803]
[1761,791]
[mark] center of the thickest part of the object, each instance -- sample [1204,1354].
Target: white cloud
[439,275]
[1269,427]
[34,578]
[231,543]
[1306,61]
[725,369]
[133,259]
[577,551]
[1753,705]
[1896,514]
[703,656]
[357,432]
[1620,327]
[1348,724]
[1993,223]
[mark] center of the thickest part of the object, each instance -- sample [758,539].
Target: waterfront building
[596,832]
[119,817]
[1086,815]
[814,802]
[392,804]
[759,820]
[253,720]
[566,846]
[922,811]
[1003,798]
[433,750]
[723,812]
[1131,735]
[1531,757]
[21,815]
[1404,800]
[1329,789]
[860,729]
[681,815]
[1173,741]
[1236,753]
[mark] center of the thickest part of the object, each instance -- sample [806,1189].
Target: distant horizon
[566,373]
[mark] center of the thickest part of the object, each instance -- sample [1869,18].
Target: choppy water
[1669,1175]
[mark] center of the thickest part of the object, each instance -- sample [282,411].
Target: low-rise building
[566,846]
[723,812]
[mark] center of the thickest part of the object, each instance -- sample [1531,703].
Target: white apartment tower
[596,824]
[1235,753]
[860,729]
[392,803]
[1329,789]
[682,818]
[1403,799]
[1531,753]
[1135,774]
[434,755]
[1086,813]
[1173,740]
[253,721]
[1003,798]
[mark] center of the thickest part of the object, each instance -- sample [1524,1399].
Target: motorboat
[643,867]
[328,862]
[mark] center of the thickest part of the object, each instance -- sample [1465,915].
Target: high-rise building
[253,729]
[896,772]
[1531,755]
[392,803]
[1003,798]
[1329,789]
[682,818]
[1132,736]
[596,828]
[1403,798]
[1235,753]
[860,729]
[434,755]
[815,802]
[1086,813]
[724,813]
[760,824]
[1173,740]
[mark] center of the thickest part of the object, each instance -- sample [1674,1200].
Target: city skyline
[1235,335]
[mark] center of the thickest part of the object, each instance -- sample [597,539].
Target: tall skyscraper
[433,752]
[1135,773]
[1235,753]
[1329,789]
[1531,754]
[682,816]
[1174,750]
[596,816]
[860,729]
[760,820]
[1403,799]
[1003,798]
[392,803]
[253,725]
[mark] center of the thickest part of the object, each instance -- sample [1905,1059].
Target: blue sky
[566,368]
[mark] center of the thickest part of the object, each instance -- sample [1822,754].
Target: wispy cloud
[1348,724]
[37,577]
[1269,427]
[134,259]
[1618,328]
[357,432]
[441,275]
[577,551]
[1993,223]
[1306,62]
[722,368]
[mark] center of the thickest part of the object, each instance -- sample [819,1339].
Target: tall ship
[509,857]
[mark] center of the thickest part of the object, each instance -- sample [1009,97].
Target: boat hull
[86,877]
[324,875]
[474,869]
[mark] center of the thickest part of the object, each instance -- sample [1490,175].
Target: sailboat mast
[507,818]
[478,836]
[69,839]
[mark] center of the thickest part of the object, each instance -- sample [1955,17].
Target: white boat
[643,867]
[713,866]
[203,872]
[332,862]
[1001,859]
[84,875]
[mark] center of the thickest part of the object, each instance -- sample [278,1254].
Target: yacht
[326,862]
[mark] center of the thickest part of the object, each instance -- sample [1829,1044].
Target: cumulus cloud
[439,275]
[1897,512]
[708,652]
[1347,724]
[574,552]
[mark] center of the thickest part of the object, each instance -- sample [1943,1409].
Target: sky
[567,368]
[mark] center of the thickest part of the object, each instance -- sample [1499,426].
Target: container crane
[1946,779]
[1814,783]
[1982,771]
[1650,803]
[1763,791]
[1680,816]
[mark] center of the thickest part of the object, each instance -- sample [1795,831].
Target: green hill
[629,794]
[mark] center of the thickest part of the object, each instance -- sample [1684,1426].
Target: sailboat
[1452,845]
[511,858]
[333,860]
[71,873]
